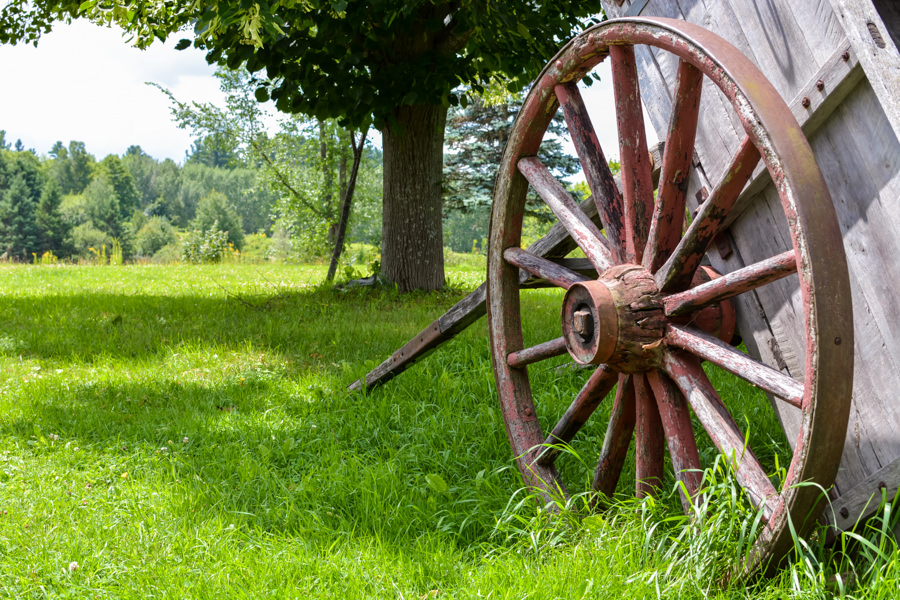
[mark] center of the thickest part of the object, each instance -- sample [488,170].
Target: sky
[86,83]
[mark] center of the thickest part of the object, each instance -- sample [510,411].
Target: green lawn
[184,431]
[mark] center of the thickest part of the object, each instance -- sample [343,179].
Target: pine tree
[19,231]
[52,226]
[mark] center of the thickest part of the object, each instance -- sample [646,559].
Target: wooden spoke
[579,226]
[649,452]
[676,422]
[688,375]
[637,181]
[596,169]
[721,354]
[617,439]
[668,217]
[676,272]
[542,268]
[586,402]
[732,284]
[537,353]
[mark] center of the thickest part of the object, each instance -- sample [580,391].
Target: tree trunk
[328,182]
[347,202]
[412,245]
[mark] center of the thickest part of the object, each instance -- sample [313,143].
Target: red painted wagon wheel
[630,320]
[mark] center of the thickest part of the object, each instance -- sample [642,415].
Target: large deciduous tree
[390,63]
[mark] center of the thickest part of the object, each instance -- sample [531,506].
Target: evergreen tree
[53,228]
[19,232]
[123,184]
[475,138]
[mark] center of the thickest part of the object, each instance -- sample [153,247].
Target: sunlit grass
[184,431]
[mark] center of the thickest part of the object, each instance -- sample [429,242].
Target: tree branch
[284,181]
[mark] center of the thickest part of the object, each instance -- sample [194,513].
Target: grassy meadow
[184,432]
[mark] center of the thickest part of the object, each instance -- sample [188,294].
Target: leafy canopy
[354,60]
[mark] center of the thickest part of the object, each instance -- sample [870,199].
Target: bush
[155,234]
[210,246]
[85,237]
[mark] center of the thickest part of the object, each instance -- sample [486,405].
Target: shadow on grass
[322,323]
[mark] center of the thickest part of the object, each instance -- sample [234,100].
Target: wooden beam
[872,43]
[812,107]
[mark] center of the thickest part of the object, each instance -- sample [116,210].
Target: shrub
[209,246]
[154,235]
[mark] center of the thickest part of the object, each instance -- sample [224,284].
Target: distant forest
[71,205]
[240,189]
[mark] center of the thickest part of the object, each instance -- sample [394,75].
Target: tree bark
[412,244]
[328,182]
[347,202]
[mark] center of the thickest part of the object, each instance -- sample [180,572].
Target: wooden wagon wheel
[631,319]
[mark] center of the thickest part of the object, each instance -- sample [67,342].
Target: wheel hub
[617,320]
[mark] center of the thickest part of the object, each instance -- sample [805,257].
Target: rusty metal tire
[630,319]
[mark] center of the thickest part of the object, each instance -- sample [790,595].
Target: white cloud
[87,83]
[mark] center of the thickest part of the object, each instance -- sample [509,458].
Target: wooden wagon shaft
[555,245]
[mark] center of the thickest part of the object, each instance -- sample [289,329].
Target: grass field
[184,432]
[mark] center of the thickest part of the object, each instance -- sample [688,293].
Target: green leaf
[437,483]
[182,44]
[262,94]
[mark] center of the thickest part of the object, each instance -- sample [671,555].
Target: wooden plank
[860,502]
[860,166]
[880,59]
[820,27]
[839,76]
[780,49]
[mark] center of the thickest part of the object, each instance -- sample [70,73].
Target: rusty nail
[559,65]
[844,512]
[820,85]
[723,245]
[702,195]
[846,55]
[805,102]
[837,341]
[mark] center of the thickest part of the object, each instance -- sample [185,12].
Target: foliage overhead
[348,59]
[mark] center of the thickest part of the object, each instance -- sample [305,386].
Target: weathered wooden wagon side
[836,63]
